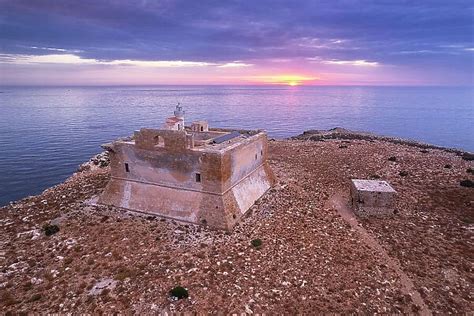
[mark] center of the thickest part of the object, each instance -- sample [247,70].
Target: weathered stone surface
[310,260]
[185,176]
[372,197]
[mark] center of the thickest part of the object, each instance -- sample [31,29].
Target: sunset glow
[200,43]
[290,80]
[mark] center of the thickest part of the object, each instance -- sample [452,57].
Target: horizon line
[233,85]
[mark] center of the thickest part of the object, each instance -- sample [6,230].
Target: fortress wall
[241,160]
[216,211]
[167,168]
[188,206]
[162,180]
[251,188]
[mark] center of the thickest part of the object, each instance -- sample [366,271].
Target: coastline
[311,258]
[342,133]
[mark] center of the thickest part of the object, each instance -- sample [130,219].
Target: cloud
[419,51]
[71,59]
[209,33]
[157,63]
[45,59]
[57,49]
[359,62]
[321,43]
[235,64]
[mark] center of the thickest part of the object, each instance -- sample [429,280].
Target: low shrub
[256,243]
[467,183]
[124,273]
[468,156]
[35,297]
[7,299]
[179,292]
[50,229]
[27,286]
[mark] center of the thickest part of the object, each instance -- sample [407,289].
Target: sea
[46,132]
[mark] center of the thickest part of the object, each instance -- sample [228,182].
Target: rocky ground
[311,259]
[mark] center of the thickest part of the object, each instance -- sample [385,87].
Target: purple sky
[236,42]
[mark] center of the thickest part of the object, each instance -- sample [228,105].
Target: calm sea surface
[45,133]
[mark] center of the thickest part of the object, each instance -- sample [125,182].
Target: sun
[287,80]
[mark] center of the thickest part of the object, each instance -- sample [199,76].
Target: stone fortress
[194,173]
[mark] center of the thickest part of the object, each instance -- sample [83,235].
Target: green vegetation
[7,298]
[256,243]
[179,292]
[124,273]
[35,297]
[467,183]
[468,156]
[50,229]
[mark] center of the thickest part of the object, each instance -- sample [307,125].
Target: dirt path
[339,202]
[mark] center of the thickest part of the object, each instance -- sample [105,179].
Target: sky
[251,42]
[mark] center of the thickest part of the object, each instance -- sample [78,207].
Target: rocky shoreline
[312,257]
[345,134]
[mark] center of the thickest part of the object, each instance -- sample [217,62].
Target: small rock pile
[101,160]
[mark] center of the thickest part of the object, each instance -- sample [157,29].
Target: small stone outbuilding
[372,198]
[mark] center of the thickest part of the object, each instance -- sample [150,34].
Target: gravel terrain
[315,255]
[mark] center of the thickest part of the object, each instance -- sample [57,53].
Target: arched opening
[159,141]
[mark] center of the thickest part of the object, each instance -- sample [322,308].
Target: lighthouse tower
[175,122]
[178,112]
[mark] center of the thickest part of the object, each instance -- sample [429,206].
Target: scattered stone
[101,160]
[312,261]
[102,285]
[403,173]
[393,158]
[447,166]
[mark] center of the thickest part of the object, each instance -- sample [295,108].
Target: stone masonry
[192,174]
[372,198]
